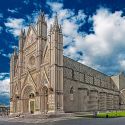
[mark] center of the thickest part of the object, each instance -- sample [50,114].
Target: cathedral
[43,80]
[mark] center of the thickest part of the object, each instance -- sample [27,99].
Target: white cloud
[13,10]
[7,55]
[4,84]
[70,21]
[5,87]
[14,25]
[101,49]
[3,75]
[33,17]
[69,28]
[107,42]
[55,6]
[13,47]
[26,2]
[122,64]
[4,54]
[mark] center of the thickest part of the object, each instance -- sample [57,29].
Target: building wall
[121,81]
[37,76]
[115,79]
[92,90]
[43,78]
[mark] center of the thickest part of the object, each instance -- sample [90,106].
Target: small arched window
[71,90]
[31,95]
[71,93]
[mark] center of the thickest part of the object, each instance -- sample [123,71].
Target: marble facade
[42,80]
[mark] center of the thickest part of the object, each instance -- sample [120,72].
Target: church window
[31,95]
[71,93]
[71,90]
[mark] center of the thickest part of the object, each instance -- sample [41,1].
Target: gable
[31,36]
[29,79]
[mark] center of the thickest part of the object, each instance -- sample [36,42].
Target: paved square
[64,121]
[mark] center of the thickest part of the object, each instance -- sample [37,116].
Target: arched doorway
[28,99]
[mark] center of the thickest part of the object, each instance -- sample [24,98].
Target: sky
[94,32]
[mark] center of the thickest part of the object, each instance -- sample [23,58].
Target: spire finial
[41,13]
[60,27]
[21,32]
[50,28]
[24,32]
[41,16]
[15,51]
[56,19]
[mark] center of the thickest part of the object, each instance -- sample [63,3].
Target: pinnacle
[41,16]
[56,20]
[15,51]
[22,32]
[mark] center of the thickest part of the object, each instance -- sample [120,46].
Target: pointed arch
[27,90]
[28,100]
[31,27]
[30,36]
[71,93]
[25,80]
[71,90]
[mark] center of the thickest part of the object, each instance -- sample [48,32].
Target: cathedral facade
[43,80]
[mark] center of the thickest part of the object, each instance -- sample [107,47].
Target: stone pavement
[64,121]
[30,118]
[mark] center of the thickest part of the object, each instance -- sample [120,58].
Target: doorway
[32,107]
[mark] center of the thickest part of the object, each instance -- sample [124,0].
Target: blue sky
[94,32]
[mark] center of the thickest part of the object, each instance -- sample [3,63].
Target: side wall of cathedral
[119,80]
[86,89]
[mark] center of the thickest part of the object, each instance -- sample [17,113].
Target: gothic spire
[15,51]
[56,20]
[60,28]
[50,28]
[24,33]
[21,33]
[41,16]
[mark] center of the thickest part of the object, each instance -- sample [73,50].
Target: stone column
[56,65]
[37,104]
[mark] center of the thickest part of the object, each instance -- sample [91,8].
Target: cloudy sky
[94,32]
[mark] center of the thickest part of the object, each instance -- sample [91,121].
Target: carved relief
[32,60]
[46,55]
[44,80]
[31,36]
